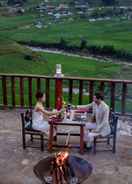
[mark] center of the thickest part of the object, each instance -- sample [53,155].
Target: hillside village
[55,12]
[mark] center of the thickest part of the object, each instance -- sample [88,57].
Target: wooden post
[38,84]
[21,92]
[80,91]
[50,137]
[58,93]
[4,89]
[101,87]
[30,91]
[13,91]
[112,99]
[91,91]
[70,90]
[47,92]
[124,93]
[82,139]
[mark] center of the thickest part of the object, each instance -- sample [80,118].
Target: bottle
[68,111]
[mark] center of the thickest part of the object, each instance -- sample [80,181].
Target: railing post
[91,85]
[21,92]
[124,93]
[80,91]
[13,91]
[38,84]
[4,89]
[47,92]
[70,90]
[30,91]
[101,87]
[112,99]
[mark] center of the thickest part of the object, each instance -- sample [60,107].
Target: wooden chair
[27,130]
[111,138]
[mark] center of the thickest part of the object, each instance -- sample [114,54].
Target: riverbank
[105,52]
[62,52]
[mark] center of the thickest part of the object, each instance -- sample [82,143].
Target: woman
[40,115]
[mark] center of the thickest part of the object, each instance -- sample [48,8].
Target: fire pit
[63,168]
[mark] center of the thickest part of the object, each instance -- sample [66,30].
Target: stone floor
[16,164]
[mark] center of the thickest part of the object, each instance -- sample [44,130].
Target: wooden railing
[19,91]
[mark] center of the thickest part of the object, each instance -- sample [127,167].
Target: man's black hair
[99,96]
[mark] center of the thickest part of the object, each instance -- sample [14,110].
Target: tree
[63,43]
[109,2]
[13,2]
[83,44]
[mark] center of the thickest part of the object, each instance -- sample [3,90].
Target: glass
[58,68]
[83,117]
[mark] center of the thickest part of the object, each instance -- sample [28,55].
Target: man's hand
[95,131]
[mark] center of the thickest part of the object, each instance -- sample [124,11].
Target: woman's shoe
[89,148]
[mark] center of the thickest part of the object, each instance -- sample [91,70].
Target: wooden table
[69,124]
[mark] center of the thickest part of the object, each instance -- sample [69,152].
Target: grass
[114,32]
[19,28]
[78,66]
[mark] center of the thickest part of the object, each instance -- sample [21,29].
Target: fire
[61,157]
[62,172]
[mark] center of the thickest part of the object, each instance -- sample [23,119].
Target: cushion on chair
[28,125]
[28,120]
[113,123]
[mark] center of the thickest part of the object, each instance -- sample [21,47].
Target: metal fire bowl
[82,168]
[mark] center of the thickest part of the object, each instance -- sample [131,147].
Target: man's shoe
[89,148]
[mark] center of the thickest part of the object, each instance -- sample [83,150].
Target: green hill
[120,2]
[91,2]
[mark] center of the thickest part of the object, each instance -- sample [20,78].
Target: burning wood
[61,170]
[61,158]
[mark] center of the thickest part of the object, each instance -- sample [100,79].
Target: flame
[61,158]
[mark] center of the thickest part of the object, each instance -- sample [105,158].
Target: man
[100,119]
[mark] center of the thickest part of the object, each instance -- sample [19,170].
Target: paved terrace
[16,164]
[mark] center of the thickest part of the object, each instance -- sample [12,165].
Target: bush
[63,43]
[83,44]
[33,56]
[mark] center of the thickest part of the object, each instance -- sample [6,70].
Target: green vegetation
[21,28]
[116,33]
[91,2]
[86,67]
